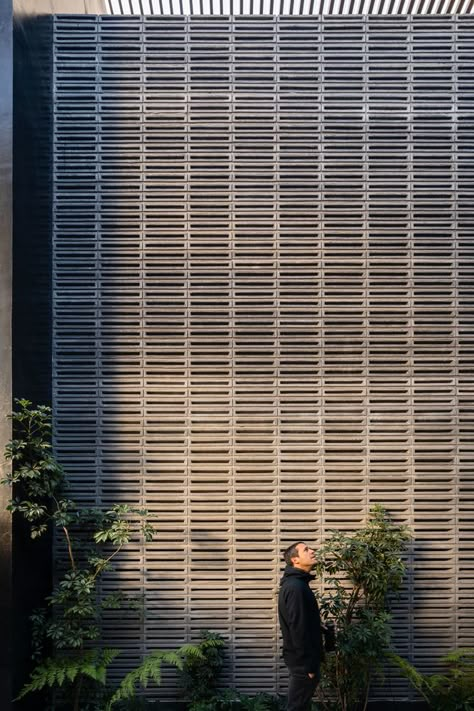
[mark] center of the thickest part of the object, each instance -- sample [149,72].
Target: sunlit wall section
[390,285]
[165,213]
[209,355]
[344,264]
[298,251]
[255,319]
[434,140]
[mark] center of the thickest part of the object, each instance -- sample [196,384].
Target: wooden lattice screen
[263,308]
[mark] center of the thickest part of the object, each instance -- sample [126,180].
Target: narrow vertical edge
[6,155]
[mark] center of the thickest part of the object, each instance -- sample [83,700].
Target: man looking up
[300,625]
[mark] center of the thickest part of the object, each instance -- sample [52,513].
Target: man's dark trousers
[300,689]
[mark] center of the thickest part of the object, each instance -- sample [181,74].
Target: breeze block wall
[263,309]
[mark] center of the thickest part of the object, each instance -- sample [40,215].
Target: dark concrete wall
[31,323]
[6,62]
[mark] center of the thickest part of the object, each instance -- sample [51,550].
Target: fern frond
[416,679]
[431,687]
[463,655]
[191,650]
[54,671]
[50,673]
[150,670]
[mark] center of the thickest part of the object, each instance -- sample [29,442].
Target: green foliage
[149,670]
[190,659]
[69,624]
[56,671]
[261,702]
[451,691]
[200,673]
[200,679]
[360,571]
[231,700]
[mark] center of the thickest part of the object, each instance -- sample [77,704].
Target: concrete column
[6,157]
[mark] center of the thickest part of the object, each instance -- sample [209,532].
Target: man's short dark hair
[291,552]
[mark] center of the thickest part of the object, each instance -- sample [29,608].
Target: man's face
[306,557]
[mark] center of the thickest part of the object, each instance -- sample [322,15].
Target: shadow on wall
[32,197]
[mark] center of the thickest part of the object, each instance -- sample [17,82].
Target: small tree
[66,633]
[360,571]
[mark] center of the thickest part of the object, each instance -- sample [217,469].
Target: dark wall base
[397,706]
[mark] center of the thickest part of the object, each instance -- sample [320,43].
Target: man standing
[300,625]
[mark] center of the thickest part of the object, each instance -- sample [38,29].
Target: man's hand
[311,675]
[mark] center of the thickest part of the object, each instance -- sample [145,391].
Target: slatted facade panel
[434,345]
[465,344]
[263,309]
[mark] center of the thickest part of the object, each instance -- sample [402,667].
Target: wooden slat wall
[289,7]
[263,309]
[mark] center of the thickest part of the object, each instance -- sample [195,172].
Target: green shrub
[360,571]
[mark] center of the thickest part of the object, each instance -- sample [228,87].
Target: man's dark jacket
[300,621]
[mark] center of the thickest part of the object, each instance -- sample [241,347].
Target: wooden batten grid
[263,310]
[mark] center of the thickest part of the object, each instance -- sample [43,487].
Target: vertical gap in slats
[232,349]
[322,292]
[55,241]
[455,279]
[98,266]
[366,493]
[410,338]
[320,305]
[434,372]
[276,228]
[187,331]
[142,403]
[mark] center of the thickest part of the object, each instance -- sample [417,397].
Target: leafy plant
[230,699]
[69,624]
[195,662]
[55,672]
[360,571]
[200,680]
[200,673]
[261,702]
[451,691]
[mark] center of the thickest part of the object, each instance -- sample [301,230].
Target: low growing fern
[56,671]
[150,670]
[451,691]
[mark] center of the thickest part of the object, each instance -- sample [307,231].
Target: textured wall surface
[263,308]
